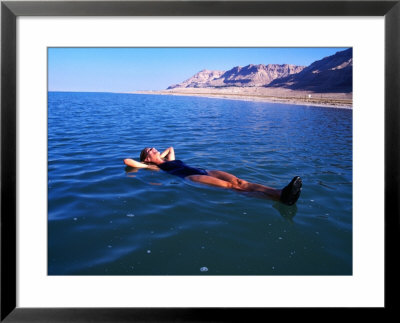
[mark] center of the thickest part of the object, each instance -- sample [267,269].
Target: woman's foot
[290,193]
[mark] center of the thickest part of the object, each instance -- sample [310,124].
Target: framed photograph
[182,160]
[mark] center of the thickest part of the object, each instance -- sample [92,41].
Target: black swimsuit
[179,168]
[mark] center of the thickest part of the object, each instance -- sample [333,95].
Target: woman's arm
[168,154]
[135,164]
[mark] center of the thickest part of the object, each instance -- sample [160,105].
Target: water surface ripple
[104,219]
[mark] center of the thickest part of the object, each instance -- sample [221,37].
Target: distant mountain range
[330,74]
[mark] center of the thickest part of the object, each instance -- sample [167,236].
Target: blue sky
[131,69]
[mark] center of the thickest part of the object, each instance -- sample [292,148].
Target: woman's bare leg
[288,195]
[209,180]
[226,180]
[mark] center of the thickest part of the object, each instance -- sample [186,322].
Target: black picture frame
[10,10]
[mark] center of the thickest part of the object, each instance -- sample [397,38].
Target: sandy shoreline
[329,100]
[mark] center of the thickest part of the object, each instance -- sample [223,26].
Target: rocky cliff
[247,76]
[201,79]
[332,74]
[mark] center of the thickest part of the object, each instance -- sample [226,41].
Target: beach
[262,94]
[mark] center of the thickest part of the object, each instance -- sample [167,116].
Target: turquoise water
[106,219]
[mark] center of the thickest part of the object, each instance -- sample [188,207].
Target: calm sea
[106,219]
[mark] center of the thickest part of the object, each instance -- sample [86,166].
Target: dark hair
[143,154]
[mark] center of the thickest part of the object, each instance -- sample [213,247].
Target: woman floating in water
[151,158]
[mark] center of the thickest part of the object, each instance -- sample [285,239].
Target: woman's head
[148,154]
[144,153]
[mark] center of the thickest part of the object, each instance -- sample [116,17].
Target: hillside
[247,76]
[332,74]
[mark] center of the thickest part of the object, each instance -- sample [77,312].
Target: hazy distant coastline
[276,95]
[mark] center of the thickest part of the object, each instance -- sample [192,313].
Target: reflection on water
[106,219]
[287,212]
[130,170]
